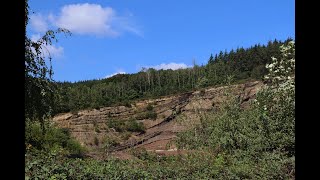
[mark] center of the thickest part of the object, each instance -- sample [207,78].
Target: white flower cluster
[283,69]
[43,92]
[288,85]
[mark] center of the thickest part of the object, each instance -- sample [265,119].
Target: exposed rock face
[90,127]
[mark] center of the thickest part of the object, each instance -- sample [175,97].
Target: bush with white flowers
[282,70]
[277,101]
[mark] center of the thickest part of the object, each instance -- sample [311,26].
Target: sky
[122,36]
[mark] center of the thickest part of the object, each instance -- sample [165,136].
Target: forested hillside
[233,66]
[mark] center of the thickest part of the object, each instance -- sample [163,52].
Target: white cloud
[54,51]
[87,19]
[38,23]
[110,75]
[92,19]
[173,66]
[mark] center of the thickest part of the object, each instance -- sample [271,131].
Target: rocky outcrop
[174,114]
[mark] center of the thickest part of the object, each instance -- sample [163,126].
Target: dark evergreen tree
[211,60]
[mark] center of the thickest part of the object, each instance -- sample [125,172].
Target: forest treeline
[233,66]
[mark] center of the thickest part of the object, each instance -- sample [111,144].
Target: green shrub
[133,126]
[202,92]
[125,135]
[128,125]
[75,148]
[149,107]
[127,104]
[96,141]
[146,115]
[141,116]
[110,142]
[52,138]
[151,115]
[96,129]
[74,112]
[118,125]
[34,135]
[94,122]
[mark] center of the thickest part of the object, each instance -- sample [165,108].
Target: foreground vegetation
[233,143]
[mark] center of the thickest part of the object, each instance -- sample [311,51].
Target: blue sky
[121,36]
